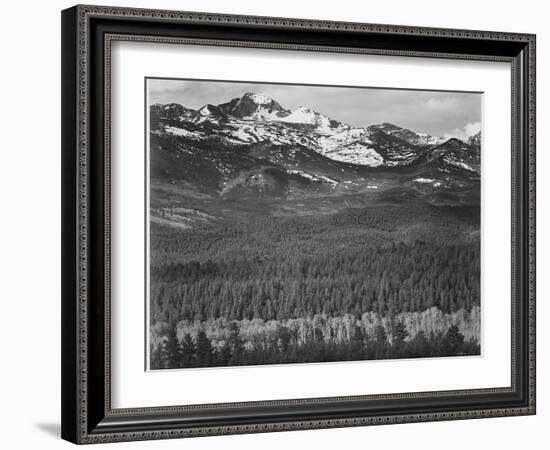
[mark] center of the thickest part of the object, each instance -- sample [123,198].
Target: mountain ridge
[331,137]
[252,145]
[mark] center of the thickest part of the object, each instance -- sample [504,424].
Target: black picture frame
[87,416]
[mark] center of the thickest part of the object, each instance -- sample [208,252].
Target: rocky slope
[252,144]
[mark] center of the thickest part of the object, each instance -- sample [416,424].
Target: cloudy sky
[439,113]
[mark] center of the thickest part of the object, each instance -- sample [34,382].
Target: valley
[283,236]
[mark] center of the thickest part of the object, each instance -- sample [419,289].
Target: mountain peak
[306,115]
[258,98]
[254,106]
[208,110]
[454,141]
[172,111]
[389,126]
[207,113]
[411,137]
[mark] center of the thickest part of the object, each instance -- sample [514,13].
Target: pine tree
[453,341]
[204,350]
[380,342]
[236,343]
[419,345]
[188,351]
[223,355]
[357,342]
[399,334]
[284,338]
[171,355]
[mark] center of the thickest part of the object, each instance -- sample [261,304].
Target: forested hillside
[288,236]
[318,285]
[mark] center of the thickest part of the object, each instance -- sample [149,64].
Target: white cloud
[464,133]
[443,104]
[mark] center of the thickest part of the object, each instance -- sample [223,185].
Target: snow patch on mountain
[307,116]
[430,181]
[302,115]
[357,153]
[183,132]
[457,163]
[426,139]
[206,111]
[412,137]
[254,107]
[343,137]
[260,99]
[263,114]
[311,177]
[244,134]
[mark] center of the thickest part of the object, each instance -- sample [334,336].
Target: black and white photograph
[307,224]
[274,221]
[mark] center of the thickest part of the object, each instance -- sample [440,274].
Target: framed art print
[280,236]
[281,224]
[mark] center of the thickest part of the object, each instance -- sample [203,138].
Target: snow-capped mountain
[457,154]
[256,118]
[253,142]
[308,116]
[207,113]
[253,106]
[172,111]
[413,138]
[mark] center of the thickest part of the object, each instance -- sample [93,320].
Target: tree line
[198,351]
